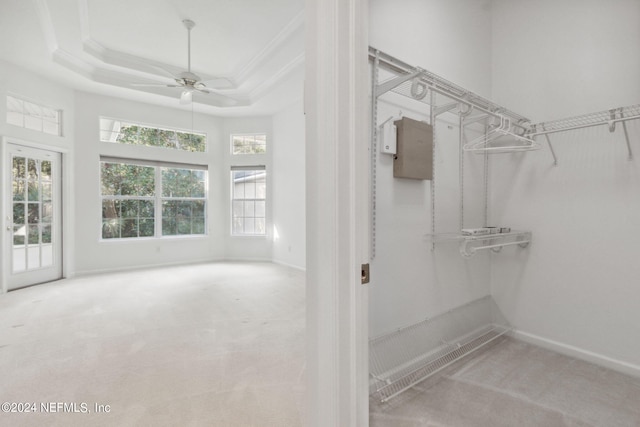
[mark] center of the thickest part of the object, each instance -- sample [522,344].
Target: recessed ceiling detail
[75,41]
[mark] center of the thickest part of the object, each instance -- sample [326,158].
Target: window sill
[153,239]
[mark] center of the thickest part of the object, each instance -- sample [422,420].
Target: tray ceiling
[105,46]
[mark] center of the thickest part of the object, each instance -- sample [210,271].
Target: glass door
[35,216]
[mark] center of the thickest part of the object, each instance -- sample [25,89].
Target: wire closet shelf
[410,355]
[416,83]
[609,118]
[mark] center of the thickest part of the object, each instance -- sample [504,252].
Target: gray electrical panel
[414,156]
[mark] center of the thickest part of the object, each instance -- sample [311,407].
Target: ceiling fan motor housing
[188,78]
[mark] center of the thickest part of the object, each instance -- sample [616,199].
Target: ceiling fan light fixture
[186,97]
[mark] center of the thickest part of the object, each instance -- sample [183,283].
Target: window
[117,131]
[183,201]
[152,199]
[30,115]
[248,201]
[249,144]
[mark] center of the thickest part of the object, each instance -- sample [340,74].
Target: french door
[34,216]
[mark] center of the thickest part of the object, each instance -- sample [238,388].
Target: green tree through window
[132,203]
[112,130]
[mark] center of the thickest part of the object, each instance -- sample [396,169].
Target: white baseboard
[578,353]
[177,263]
[141,267]
[286,264]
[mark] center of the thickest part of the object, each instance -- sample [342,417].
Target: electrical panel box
[414,150]
[389,135]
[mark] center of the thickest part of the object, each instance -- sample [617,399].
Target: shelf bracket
[397,81]
[612,120]
[475,119]
[626,135]
[546,136]
[444,108]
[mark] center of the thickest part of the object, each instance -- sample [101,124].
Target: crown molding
[277,77]
[288,31]
[48,30]
[73,63]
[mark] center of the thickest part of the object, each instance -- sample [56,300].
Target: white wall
[24,84]
[246,247]
[576,288]
[289,187]
[554,59]
[95,255]
[451,38]
[409,281]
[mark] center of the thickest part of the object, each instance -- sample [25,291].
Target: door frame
[337,109]
[65,201]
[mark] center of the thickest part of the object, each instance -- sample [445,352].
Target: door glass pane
[46,233]
[47,212]
[19,189]
[19,170]
[45,170]
[34,192]
[19,232]
[33,169]
[18,213]
[34,235]
[46,191]
[34,213]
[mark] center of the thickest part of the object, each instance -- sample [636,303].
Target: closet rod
[444,87]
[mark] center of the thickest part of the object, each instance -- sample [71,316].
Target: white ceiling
[103,46]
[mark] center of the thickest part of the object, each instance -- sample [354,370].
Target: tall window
[183,201]
[248,201]
[152,199]
[128,199]
[121,132]
[30,115]
[249,143]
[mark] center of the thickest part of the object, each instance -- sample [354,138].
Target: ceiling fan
[191,82]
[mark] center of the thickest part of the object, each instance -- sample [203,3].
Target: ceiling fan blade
[227,99]
[219,83]
[153,85]
[186,97]
[167,73]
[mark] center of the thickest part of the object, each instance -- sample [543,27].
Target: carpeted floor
[201,345]
[515,384]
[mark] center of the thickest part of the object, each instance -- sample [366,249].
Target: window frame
[245,135]
[233,199]
[157,198]
[40,118]
[152,127]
